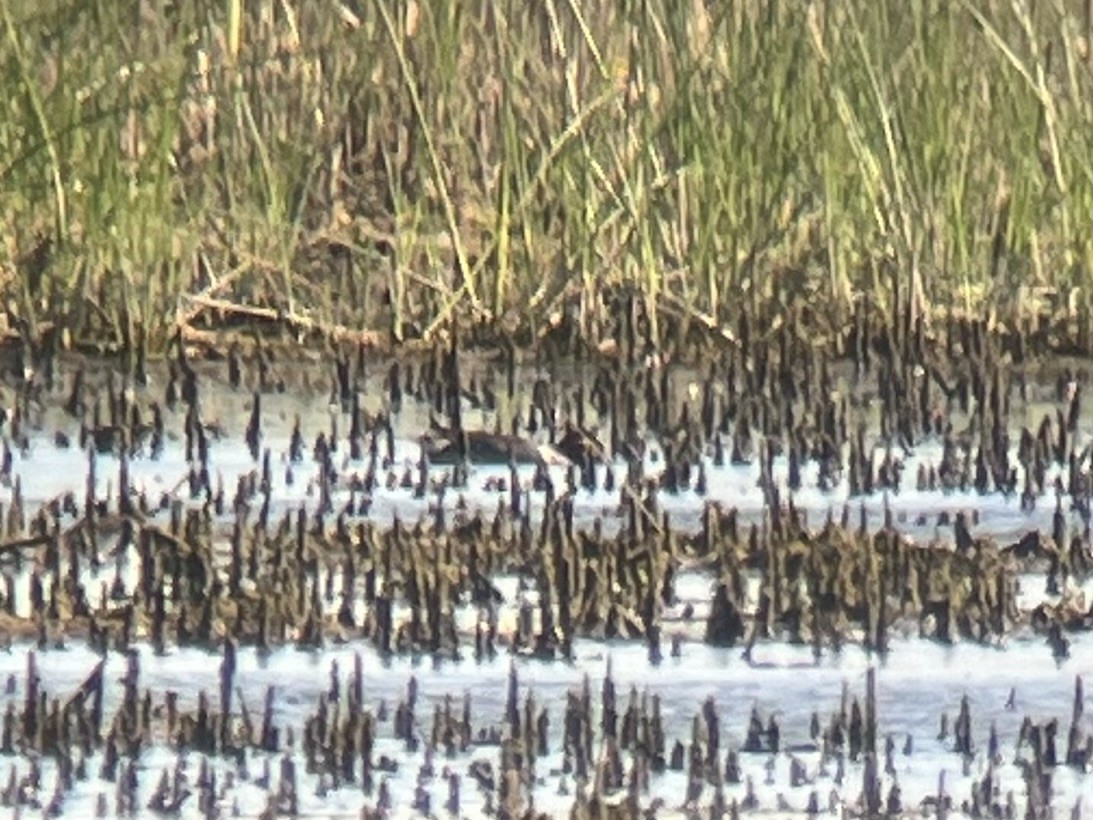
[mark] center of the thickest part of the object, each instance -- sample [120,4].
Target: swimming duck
[442,446]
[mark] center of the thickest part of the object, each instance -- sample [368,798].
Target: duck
[442,446]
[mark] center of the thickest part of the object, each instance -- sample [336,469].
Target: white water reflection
[916,683]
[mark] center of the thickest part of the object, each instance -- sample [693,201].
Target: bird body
[483,447]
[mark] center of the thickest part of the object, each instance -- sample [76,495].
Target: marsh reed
[389,166]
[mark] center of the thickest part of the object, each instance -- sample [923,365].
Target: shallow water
[916,683]
[47,471]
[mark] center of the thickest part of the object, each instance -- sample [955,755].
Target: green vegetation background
[390,164]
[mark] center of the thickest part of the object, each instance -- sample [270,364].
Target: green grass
[396,165]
